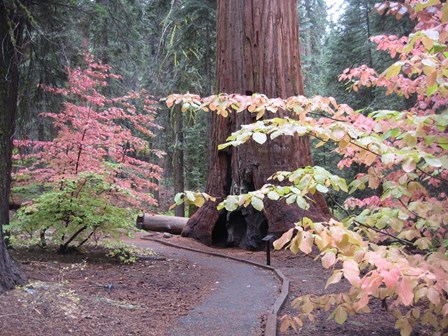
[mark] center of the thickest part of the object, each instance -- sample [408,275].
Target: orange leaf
[283,240]
[306,245]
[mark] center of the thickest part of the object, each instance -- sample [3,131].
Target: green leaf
[257,203]
[231,203]
[179,198]
[260,138]
[433,162]
[322,188]
[190,196]
[432,89]
[388,158]
[272,195]
[302,203]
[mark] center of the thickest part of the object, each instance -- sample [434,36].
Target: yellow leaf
[190,196]
[260,114]
[404,326]
[393,70]
[445,13]
[295,243]
[199,201]
[335,278]
[340,315]
[307,306]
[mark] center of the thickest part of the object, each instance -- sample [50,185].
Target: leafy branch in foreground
[394,247]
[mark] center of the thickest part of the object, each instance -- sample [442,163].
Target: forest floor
[90,294]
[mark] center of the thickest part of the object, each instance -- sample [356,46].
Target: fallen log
[161,223]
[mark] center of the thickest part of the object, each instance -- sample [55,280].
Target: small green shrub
[75,212]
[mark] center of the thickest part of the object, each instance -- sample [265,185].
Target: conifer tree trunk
[11,27]
[257,51]
[178,160]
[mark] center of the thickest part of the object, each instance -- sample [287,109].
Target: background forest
[169,46]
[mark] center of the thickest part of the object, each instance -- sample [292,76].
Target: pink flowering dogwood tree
[97,167]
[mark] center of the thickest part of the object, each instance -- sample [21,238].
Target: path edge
[271,321]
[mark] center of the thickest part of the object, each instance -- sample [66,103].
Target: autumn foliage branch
[394,246]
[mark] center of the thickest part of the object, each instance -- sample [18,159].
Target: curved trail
[241,296]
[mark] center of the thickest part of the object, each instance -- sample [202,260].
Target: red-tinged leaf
[445,309]
[405,291]
[351,272]
[391,277]
[298,322]
[284,326]
[329,259]
[409,165]
[433,295]
[284,239]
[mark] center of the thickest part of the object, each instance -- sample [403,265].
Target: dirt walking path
[237,303]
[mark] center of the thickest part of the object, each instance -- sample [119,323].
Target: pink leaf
[351,272]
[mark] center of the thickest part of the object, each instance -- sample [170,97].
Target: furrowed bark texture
[10,275]
[257,51]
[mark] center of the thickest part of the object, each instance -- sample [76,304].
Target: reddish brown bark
[257,51]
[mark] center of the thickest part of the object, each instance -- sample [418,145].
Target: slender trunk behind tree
[178,160]
[257,51]
[11,28]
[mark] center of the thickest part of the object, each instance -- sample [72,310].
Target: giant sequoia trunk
[9,81]
[257,51]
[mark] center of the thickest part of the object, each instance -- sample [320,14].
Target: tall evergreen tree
[12,25]
[254,54]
